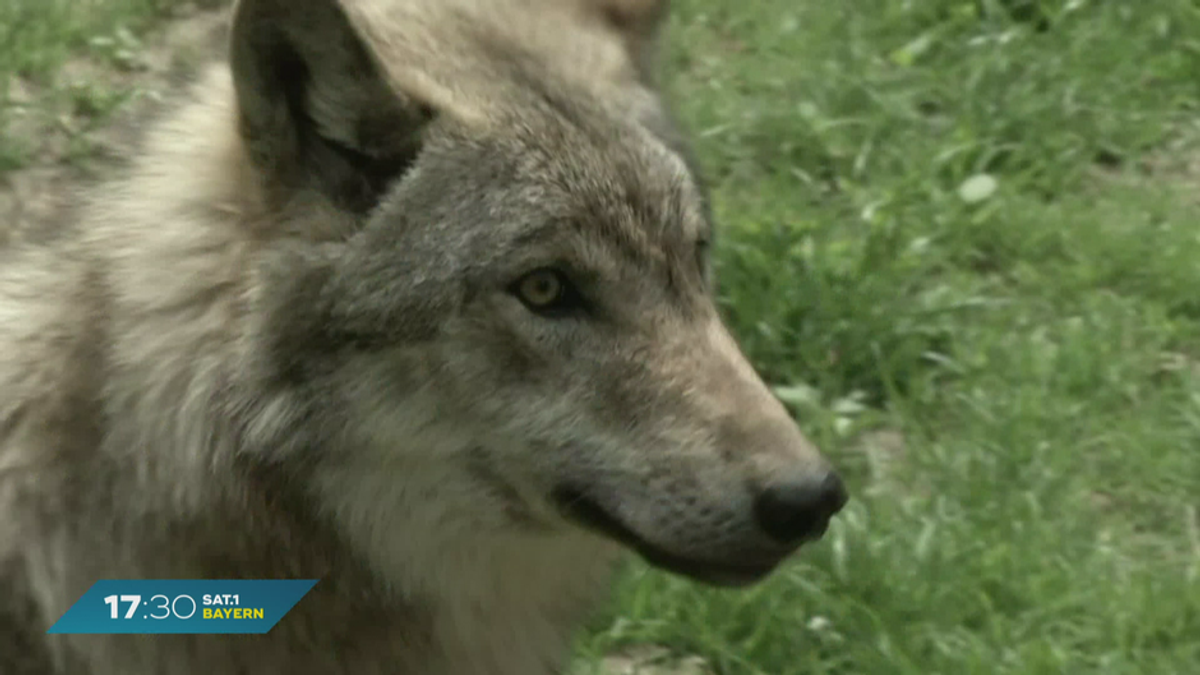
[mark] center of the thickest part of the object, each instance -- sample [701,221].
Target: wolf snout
[799,509]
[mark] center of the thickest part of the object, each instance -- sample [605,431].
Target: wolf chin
[409,296]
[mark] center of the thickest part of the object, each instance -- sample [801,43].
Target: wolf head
[504,320]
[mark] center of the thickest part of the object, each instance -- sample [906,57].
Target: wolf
[413,297]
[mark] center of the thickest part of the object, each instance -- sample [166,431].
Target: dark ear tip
[290,60]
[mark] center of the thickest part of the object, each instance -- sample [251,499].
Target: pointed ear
[640,24]
[316,109]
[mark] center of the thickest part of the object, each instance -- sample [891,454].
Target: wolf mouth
[586,512]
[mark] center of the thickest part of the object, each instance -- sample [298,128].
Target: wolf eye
[546,291]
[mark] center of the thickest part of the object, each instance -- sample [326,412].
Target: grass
[41,38]
[968,228]
[1035,347]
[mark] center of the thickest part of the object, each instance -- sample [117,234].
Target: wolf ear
[316,110]
[640,23]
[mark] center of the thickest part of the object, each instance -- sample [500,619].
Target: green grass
[1037,349]
[37,39]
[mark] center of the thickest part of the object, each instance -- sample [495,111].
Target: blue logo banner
[148,606]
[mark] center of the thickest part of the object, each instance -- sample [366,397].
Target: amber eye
[541,288]
[546,291]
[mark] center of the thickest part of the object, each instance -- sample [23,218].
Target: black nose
[795,510]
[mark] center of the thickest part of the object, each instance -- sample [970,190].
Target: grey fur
[285,343]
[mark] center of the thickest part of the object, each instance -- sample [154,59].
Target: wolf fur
[294,340]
